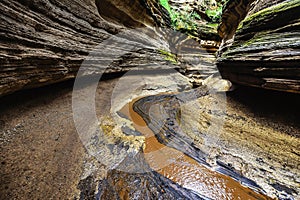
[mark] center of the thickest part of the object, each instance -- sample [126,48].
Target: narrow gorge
[150,99]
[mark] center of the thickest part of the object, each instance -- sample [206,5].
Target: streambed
[180,167]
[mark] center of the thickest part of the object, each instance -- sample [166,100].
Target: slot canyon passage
[150,99]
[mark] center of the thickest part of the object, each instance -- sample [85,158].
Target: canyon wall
[264,50]
[46,41]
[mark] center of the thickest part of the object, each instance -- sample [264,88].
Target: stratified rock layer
[265,51]
[233,13]
[46,41]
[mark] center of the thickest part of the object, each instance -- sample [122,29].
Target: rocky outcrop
[43,42]
[252,141]
[264,52]
[46,41]
[233,13]
[133,14]
[150,185]
[127,14]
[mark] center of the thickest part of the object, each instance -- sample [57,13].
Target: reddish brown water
[184,170]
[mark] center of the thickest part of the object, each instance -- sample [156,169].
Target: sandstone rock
[233,13]
[145,84]
[247,135]
[216,83]
[44,42]
[264,52]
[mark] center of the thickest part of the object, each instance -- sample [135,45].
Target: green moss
[185,21]
[168,56]
[267,12]
[165,4]
[191,23]
[215,14]
[213,25]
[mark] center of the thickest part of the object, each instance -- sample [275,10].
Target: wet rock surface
[147,185]
[257,140]
[233,140]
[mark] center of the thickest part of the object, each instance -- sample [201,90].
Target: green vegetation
[215,15]
[267,12]
[187,20]
[166,5]
[168,56]
[181,20]
[213,25]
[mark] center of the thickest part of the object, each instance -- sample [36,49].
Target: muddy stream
[182,169]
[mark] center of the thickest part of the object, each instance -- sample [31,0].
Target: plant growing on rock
[168,56]
[188,19]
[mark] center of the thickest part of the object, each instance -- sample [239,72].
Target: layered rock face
[233,13]
[264,52]
[44,41]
